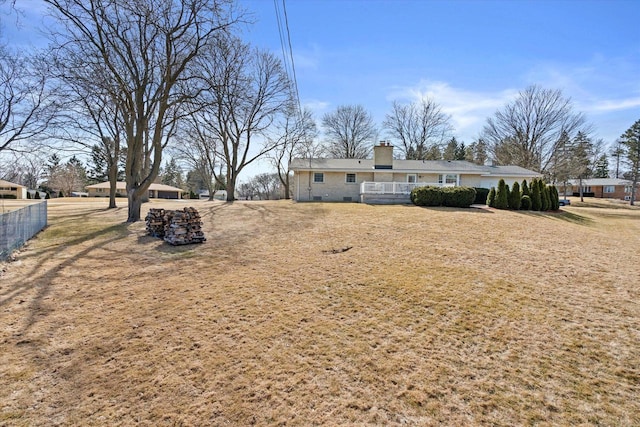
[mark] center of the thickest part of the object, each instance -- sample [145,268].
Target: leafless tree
[141,53]
[244,90]
[294,136]
[419,126]
[526,131]
[350,132]
[25,111]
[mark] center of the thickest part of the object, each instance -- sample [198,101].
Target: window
[448,179]
[350,178]
[412,177]
[609,189]
[318,177]
[586,189]
[627,189]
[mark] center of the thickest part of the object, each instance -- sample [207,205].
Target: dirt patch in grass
[432,316]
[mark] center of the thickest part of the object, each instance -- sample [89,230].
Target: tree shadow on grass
[561,215]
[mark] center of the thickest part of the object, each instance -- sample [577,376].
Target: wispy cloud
[468,109]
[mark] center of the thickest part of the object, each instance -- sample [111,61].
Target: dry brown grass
[434,316]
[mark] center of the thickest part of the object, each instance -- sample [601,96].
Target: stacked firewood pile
[181,227]
[155,223]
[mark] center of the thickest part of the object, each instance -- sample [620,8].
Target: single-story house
[10,189]
[387,180]
[156,191]
[602,188]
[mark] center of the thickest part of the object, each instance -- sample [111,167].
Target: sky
[470,57]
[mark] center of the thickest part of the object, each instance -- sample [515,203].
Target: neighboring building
[602,188]
[156,191]
[387,180]
[10,189]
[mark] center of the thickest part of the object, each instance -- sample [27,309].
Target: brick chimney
[383,156]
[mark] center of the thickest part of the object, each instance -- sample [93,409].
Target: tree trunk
[135,204]
[231,188]
[113,179]
[581,190]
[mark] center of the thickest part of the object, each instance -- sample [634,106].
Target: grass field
[432,317]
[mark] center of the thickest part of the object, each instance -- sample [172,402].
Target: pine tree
[631,145]
[502,197]
[601,167]
[536,197]
[515,197]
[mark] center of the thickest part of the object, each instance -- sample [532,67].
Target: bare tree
[243,91]
[350,132]
[141,53]
[295,135]
[419,127]
[526,131]
[24,108]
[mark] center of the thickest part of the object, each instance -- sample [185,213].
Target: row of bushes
[8,196]
[456,197]
[37,195]
[537,197]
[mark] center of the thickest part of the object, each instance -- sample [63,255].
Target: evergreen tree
[555,198]
[630,141]
[525,188]
[491,198]
[601,167]
[536,197]
[580,163]
[515,197]
[502,196]
[451,150]
[461,152]
[37,196]
[545,198]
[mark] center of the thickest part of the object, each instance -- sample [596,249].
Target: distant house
[388,180]
[156,191]
[11,190]
[602,188]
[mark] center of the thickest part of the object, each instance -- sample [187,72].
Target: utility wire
[287,51]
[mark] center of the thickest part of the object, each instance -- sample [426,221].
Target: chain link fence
[16,227]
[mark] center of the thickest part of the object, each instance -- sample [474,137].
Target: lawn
[432,317]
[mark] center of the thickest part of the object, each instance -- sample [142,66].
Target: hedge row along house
[385,180]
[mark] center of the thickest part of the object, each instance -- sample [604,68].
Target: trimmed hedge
[458,197]
[491,198]
[8,196]
[525,202]
[481,195]
[426,196]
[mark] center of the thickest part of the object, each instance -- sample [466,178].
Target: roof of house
[601,181]
[120,185]
[4,183]
[409,166]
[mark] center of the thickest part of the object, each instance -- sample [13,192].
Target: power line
[287,50]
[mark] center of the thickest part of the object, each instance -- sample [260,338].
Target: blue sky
[471,57]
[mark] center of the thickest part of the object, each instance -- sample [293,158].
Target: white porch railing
[396,187]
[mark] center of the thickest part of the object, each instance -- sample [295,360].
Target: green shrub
[8,196]
[491,198]
[502,196]
[458,197]
[60,194]
[28,195]
[515,197]
[555,198]
[525,188]
[481,195]
[546,199]
[525,202]
[37,196]
[426,196]
[47,196]
[536,197]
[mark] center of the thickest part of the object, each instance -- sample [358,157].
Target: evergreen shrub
[491,198]
[427,196]
[502,197]
[481,195]
[458,197]
[525,203]
[515,197]
[536,198]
